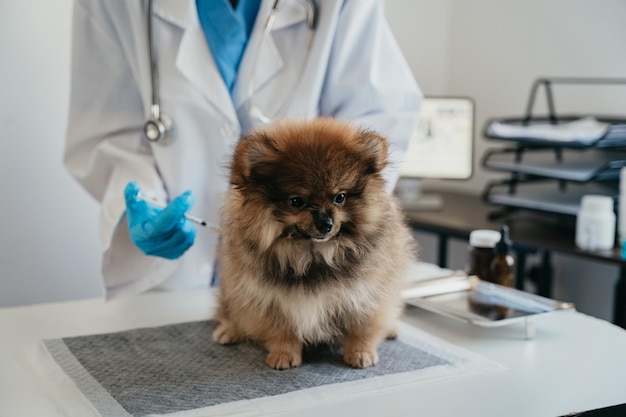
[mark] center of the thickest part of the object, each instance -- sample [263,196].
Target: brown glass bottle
[486,264]
[503,263]
[481,253]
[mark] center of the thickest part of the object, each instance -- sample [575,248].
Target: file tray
[614,135]
[574,131]
[545,196]
[478,302]
[569,166]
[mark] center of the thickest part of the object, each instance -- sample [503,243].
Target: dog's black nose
[324,224]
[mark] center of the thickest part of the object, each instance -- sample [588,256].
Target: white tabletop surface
[574,363]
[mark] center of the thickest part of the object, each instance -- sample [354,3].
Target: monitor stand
[409,192]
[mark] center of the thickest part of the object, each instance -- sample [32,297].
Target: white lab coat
[355,71]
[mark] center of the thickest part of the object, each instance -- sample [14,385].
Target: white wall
[48,225]
[488,49]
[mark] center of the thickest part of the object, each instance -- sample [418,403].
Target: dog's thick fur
[313,246]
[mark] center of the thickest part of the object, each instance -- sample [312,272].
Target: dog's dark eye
[297,202]
[339,198]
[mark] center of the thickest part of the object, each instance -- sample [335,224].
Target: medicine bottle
[502,271]
[595,223]
[621,216]
[482,243]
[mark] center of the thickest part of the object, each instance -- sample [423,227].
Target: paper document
[586,130]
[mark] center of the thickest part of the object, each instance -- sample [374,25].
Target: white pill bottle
[621,216]
[595,223]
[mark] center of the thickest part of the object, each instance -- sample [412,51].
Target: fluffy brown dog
[313,246]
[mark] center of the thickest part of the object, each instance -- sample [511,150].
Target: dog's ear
[253,160]
[374,149]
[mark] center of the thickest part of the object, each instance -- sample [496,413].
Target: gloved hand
[159,232]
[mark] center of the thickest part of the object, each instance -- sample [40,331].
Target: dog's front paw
[361,359]
[225,333]
[284,359]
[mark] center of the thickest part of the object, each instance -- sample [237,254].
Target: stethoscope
[158,126]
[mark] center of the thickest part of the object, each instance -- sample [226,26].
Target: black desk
[530,233]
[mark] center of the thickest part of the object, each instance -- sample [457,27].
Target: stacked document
[586,130]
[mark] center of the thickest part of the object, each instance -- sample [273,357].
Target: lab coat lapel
[194,59]
[270,61]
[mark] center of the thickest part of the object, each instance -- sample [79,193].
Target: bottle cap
[596,203]
[484,238]
[504,245]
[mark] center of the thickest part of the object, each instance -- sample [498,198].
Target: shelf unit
[550,175]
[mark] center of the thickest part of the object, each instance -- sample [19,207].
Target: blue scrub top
[227,31]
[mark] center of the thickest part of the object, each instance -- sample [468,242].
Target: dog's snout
[323,223]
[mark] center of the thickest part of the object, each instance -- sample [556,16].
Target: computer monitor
[442,147]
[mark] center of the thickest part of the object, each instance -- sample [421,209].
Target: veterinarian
[161,91]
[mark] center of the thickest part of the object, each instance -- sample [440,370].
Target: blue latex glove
[159,232]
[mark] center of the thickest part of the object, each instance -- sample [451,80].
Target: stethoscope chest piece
[157,129]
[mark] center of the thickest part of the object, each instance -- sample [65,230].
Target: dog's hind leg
[226,333]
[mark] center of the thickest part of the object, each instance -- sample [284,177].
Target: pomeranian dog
[313,247]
